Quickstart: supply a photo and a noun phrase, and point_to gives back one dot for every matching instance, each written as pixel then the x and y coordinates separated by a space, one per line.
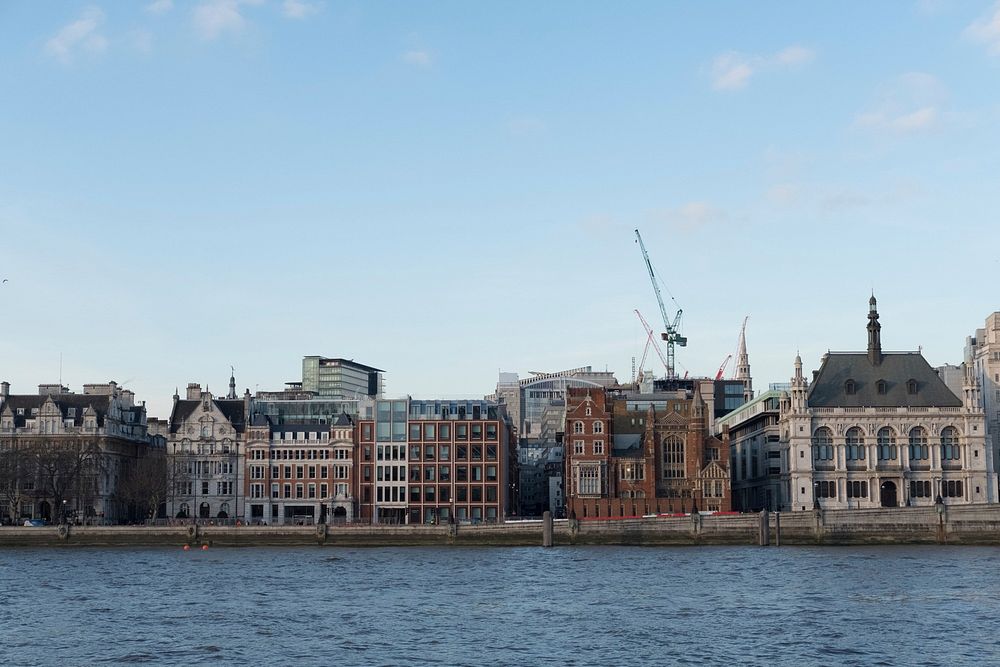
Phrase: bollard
pixel 546 529
pixel 777 529
pixel 765 529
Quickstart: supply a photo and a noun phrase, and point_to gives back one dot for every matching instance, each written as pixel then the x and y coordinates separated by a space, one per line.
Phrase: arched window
pixel 855 440
pixel 850 387
pixel 577 427
pixel 950 450
pixel 886 444
pixel 673 458
pixel 184 511
pixel 822 444
pixel 918 444
pixel 598 427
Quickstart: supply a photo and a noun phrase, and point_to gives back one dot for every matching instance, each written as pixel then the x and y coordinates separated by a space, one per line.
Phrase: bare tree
pixel 143 486
pixel 66 469
pixel 13 478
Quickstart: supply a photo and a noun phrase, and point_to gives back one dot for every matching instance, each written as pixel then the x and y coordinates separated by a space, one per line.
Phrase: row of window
pixel 298 454
pixel 300 490
pixel 301 472
pixel 579 427
pixel 398 431
pixel 432 473
pixel 881 386
pixel 918 489
pixel 579 447
pixel 436 494
pixel 885 444
pixel 187 488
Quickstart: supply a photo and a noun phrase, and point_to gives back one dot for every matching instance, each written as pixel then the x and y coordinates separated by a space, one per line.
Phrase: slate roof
pixel 896 369
pixel 80 402
pixel 233 410
pixel 344 420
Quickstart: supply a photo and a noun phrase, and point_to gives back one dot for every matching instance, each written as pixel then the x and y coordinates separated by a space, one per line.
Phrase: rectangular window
pixel 477 494
pixel 312 472
pixel 491 494
pixel 462 473
pixel 462 494
pixel 444 452
pixel 288 490
pixel 578 446
pixel 598 446
pixel 414 494
pixel 323 491
pixel 461 432
pixel 430 452
pixel 444 431
pixel 414 431
pixel 491 473
pixel 477 473
pixel 274 491
pixel 312 490
pixel 299 489
pixel 299 472
pixel 429 432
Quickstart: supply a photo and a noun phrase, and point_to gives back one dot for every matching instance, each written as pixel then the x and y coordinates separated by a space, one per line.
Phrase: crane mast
pixel 670 334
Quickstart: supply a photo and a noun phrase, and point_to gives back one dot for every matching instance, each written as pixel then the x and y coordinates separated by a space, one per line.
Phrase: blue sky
pixel 445 190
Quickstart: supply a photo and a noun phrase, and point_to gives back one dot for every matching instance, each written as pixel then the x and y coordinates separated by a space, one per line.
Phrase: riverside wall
pixel 970 524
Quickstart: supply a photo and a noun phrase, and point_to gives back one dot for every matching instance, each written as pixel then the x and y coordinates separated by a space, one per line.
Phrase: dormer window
pixel 850 387
pixel 911 386
pixel 882 387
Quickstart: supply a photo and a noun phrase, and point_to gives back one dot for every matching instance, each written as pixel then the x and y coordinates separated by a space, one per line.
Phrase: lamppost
pixel 64 510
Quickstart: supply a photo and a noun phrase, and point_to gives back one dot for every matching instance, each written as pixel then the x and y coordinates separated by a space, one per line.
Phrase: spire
pixel 743 364
pixel 232 384
pixel 874 334
pixel 177 395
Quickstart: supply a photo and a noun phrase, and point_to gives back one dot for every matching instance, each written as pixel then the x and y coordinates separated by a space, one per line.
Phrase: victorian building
pixel 982 355
pixel 205 454
pixel 632 454
pixel 63 454
pixel 300 473
pixel 881 429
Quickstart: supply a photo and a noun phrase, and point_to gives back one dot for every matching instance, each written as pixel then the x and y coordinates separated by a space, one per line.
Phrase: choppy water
pixel 480 606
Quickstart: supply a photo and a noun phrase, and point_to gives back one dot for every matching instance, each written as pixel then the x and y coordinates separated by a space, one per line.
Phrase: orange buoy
pixel 204 547
pixel 187 547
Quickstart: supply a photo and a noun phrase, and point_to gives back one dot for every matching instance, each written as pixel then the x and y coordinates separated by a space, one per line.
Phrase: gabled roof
pixel 344 420
pixel 232 410
pixel 896 369
pixel 79 402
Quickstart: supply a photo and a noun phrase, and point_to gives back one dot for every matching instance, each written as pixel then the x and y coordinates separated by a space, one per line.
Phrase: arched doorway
pixel 204 511
pixel 339 515
pixel 45 510
pixel 888 494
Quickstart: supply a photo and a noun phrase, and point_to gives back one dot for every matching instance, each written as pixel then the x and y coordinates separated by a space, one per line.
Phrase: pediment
pixel 714 471
pixel 672 420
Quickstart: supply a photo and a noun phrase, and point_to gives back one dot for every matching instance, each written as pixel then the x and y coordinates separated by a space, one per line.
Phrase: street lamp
pixel 64 510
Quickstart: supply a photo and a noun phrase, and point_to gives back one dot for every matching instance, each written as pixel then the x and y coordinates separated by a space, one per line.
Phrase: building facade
pixel 982 355
pixel 436 461
pixel 881 429
pixel 758 458
pixel 340 378
pixel 633 454
pixel 64 455
pixel 206 443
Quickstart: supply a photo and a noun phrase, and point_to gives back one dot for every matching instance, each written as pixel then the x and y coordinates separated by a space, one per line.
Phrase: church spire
pixel 874 334
pixel 743 364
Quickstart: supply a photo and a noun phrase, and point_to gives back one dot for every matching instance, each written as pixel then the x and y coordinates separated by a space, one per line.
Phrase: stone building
pixel 631 454
pixel 300 473
pixel 881 429
pixel 982 354
pixel 205 454
pixel 63 454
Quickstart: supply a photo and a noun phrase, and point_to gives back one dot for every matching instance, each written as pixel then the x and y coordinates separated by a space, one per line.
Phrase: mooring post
pixel 765 529
pixel 777 529
pixel 546 528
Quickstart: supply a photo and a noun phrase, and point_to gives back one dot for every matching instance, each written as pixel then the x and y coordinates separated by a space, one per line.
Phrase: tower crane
pixel 722 368
pixel 651 340
pixel 671 333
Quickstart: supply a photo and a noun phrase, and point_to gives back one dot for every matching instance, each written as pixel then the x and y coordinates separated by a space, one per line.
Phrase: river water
pixel 485 606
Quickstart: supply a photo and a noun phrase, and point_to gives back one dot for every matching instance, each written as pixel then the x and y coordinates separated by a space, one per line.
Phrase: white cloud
pixel 912 103
pixel 733 70
pixel 693 215
pixel 213 18
pixel 82 34
pixel 418 58
pixel 986 30
pixel 298 9
pixel 142 40
pixel 160 6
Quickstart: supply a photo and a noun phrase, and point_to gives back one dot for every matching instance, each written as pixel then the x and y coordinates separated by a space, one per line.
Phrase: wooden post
pixel 777 529
pixel 765 529
pixel 547 528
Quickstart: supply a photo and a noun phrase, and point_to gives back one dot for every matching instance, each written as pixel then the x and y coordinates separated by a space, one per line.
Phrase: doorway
pixel 889 494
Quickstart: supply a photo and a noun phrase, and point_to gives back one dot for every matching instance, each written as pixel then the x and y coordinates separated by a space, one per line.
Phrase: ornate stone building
pixel 631 454
pixel 63 454
pixel 205 454
pixel 881 429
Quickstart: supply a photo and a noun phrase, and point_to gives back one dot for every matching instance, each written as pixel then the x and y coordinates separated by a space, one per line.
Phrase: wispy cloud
pixel 733 70
pixel 418 58
pixel 141 40
pixel 299 9
pixel 913 103
pixel 692 215
pixel 160 6
pixel 82 34
pixel 213 18
pixel 986 30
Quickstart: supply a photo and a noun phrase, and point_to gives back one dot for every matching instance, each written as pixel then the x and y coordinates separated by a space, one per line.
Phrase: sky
pixel 446 190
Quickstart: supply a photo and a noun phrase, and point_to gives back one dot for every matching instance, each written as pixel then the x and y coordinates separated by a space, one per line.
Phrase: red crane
pixel 651 340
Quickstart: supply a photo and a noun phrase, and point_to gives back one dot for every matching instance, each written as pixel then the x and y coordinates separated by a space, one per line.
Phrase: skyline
pixel 448 191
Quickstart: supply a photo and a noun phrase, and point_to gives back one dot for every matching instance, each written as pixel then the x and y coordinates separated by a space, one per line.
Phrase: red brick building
pixel 629 454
